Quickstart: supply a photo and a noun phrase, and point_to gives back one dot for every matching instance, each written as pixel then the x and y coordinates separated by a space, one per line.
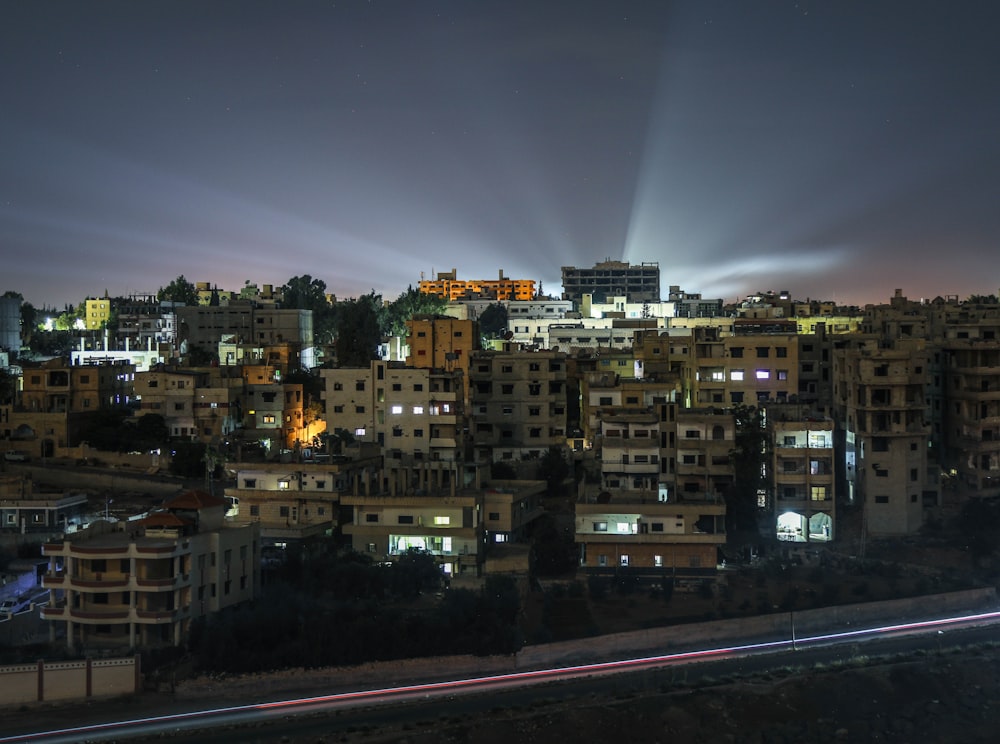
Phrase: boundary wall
pixel 50 681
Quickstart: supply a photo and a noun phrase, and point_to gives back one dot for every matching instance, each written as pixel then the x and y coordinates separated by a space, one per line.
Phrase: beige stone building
pixel 518 403
pixel 141 585
pixel 880 405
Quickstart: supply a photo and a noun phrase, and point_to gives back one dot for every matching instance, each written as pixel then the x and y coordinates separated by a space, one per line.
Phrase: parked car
pixel 16 456
pixel 14 604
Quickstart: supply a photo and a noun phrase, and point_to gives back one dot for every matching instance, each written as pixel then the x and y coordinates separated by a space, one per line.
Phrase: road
pixel 322 714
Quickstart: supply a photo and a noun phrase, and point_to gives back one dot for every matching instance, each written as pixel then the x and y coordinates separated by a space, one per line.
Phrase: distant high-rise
pixel 637 282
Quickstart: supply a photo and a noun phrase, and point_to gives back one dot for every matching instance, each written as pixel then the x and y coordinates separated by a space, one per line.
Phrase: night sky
pixel 834 149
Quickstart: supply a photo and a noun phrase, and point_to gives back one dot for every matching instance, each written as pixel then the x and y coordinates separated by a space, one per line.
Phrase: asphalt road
pixel 329 715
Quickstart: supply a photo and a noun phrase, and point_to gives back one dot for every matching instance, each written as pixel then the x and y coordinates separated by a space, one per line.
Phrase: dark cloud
pixel 743 146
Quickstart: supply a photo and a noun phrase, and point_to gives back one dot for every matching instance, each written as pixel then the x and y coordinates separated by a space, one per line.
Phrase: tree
pixel 493 321
pixel 305 293
pixel 748 458
pixel 179 290
pixel 409 303
pixel 553 469
pixel 359 330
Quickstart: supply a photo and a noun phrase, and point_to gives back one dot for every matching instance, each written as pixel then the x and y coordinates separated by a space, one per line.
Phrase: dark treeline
pixel 342 609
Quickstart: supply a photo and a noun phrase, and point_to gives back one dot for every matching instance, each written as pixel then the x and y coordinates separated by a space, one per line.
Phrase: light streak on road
pixel 381 696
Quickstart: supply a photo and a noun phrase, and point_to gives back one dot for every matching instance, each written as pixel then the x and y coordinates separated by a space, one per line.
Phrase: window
pixel 763 352
pixel 782 374
pixel 507 389
pixel 283 511
pixel 781 352
pixel 763 374
pixel 656 527
pixel 736 375
pixel 442 521
pixel 624 560
pixel 254 510
pixel 250 483
pixel 371 517
pixel 881 499
pixel 283 484
pixel 359 385
pixel 338 409
pixel 600 526
pixel 658 561
pixel 268 419
pixel 397 387
pixel 736 352
pixel 494 516
pixel 396 410
pixel 359 409
pixel 602 560
pixel 405 519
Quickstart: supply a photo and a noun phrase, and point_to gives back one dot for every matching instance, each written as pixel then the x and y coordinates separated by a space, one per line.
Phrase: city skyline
pixel 836 151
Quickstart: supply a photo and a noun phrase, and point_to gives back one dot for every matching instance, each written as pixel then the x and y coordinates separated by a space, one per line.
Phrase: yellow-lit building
pixel 98 313
pixel 441 342
pixel 448 285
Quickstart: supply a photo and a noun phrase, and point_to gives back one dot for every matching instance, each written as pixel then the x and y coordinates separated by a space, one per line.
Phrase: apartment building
pixel 198 404
pixel 97 312
pixel 630 453
pixel 638 282
pixel 880 405
pixel 448 526
pixel 693 305
pixel 748 367
pixel 58 401
pixel 699 450
pixel 803 473
pixel 142 586
pixel 518 403
pixel 621 307
pixel 649 537
pixel 441 342
pixel 448 285
pixel 293 502
pixel 415 414
pixel 205 326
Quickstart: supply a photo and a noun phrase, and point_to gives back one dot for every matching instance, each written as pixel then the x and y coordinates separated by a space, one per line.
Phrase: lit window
pixel 736 374
pixel 441 521
pixel 396 409
pixel 600 526
pixel 359 432
pixel 283 485
pixel 763 374
pixel 268 419
pixel 418 410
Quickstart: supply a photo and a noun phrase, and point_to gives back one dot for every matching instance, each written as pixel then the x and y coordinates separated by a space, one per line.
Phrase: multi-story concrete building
pixel 448 526
pixel 97 312
pixel 144 585
pixel 971 421
pixel 700 452
pixel 630 453
pixel 693 305
pixel 415 414
pixel 448 285
pixel 881 410
pixel 441 342
pixel 803 474
pixel 646 536
pixel 638 282
pixel 518 403
pixel 205 326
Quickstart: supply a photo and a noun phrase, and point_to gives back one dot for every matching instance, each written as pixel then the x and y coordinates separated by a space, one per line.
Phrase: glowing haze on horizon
pixel 836 150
